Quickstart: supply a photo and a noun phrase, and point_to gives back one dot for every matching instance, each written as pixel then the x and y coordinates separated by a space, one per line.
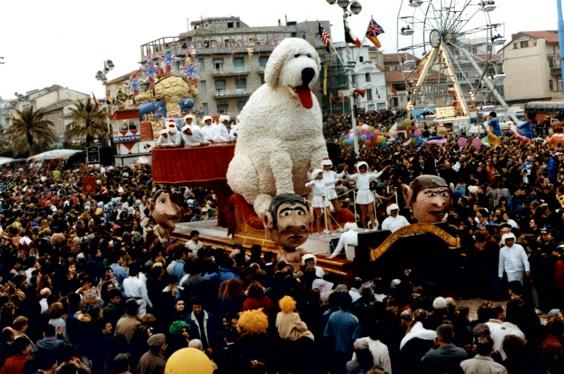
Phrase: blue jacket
pixel 342 330
pixel 494 126
pixel 526 129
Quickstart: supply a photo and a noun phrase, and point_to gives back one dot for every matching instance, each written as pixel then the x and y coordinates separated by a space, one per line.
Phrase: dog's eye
pixel 297 55
pixel 309 55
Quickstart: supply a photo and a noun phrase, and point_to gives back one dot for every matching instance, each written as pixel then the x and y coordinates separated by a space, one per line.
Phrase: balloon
pixel 371 136
pixel 380 139
pixel 363 137
pixel 188 361
pixel 406 122
pixel 439 142
pixel 417 132
pixel 462 142
pixel 476 143
pixel 349 140
pixel 384 144
pixel 377 132
pixel 371 128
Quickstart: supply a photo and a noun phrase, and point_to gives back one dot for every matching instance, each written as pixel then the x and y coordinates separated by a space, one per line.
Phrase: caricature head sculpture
pixel 164 211
pixel 429 198
pixel 288 220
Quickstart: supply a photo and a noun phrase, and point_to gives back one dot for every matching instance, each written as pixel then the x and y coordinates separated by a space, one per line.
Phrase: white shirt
pixel 330 177
pixel 221 133
pixel 164 141
pixel 195 139
pixel 499 330
pixel 363 179
pixel 347 238
pixel 233 132
pixel 319 187
pixel 136 287
pixel 208 133
pixel 394 223
pixel 513 260
pixel 380 353
pixel 193 246
pixel 418 331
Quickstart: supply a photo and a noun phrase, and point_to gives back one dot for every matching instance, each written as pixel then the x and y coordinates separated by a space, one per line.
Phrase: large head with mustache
pixel 288 221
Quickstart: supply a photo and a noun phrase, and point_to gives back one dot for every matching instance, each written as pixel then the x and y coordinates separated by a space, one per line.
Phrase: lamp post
pixel 101 75
pixel 349 8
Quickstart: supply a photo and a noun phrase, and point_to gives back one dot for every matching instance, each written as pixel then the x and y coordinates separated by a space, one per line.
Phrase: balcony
pixel 233 72
pixel 231 94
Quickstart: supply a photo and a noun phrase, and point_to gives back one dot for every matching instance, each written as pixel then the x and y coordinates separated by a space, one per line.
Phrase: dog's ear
pixel 275 63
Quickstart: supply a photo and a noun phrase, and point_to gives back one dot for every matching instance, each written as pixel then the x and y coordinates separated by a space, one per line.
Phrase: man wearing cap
pixel 513 260
pixel 153 361
pixel 191 134
pixel 208 130
pixel 394 221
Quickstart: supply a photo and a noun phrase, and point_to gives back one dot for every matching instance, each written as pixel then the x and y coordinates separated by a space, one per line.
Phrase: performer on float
pixel 175 138
pixel 320 203
pixel 208 130
pixel 234 129
pixel 331 177
pixel 221 130
pixel 191 134
pixel 365 197
pixel 348 239
pixel 394 221
pixel 163 139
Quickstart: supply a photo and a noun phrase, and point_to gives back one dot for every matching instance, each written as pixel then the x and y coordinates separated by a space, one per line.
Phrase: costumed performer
pixel 394 221
pixel 331 177
pixel 320 203
pixel 208 130
pixel 347 238
pixel 364 196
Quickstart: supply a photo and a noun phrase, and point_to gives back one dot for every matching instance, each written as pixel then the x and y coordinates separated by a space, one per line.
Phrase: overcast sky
pixel 65 42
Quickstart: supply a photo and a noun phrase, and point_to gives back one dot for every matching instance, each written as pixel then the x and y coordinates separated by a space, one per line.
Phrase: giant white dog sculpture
pixel 280 133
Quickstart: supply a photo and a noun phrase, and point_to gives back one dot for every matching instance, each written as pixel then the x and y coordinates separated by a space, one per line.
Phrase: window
pixel 240 105
pixel 369 95
pixel 229 25
pixel 550 87
pixel 205 108
pixel 524 44
pixel 218 63
pixel 222 108
pixel 239 63
pixel 202 63
pixel 262 61
pixel 361 58
pixel 559 87
pixel 220 87
pixel 515 46
pixel 367 77
pixel 203 87
pixel 241 83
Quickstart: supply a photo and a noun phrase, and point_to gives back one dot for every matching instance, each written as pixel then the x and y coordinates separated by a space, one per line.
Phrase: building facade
pixel 532 65
pixel 55 101
pixel 231 57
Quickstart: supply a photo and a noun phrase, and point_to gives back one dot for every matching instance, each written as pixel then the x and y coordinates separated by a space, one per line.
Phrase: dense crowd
pixel 88 287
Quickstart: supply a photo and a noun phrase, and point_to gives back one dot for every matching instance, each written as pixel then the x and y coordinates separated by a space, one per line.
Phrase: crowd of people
pixel 191 134
pixel 87 287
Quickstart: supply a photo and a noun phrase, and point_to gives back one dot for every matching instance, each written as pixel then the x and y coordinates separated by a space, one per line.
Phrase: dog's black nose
pixel 307 76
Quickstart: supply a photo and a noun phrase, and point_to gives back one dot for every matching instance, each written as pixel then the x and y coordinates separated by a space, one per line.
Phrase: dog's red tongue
pixel 305 96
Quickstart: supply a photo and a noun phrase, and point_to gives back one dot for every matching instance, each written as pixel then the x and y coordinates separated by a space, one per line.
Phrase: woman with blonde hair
pixel 297 340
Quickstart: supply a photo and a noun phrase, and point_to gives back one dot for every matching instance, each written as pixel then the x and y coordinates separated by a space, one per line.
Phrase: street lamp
pixel 101 76
pixel 349 8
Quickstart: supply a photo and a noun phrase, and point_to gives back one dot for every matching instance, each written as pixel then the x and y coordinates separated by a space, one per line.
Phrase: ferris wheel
pixel 447 53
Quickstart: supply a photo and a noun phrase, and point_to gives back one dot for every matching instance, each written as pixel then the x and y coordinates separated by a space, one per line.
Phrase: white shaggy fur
pixel 279 139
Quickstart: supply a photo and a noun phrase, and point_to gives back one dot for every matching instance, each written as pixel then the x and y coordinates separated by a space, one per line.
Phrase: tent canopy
pixel 55 154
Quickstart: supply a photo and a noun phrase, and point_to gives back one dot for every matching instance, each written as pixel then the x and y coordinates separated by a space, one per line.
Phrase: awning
pixel 55 154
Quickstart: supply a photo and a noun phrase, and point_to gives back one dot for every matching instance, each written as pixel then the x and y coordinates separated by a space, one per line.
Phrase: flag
pixel 325 38
pixel 360 92
pixel 374 29
pixel 88 185
pixel 350 38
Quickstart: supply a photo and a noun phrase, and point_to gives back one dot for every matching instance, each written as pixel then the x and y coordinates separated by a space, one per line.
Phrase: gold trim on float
pixel 414 229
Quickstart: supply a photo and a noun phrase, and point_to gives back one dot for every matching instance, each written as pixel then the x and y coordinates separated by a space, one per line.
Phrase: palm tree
pixel 88 121
pixel 30 132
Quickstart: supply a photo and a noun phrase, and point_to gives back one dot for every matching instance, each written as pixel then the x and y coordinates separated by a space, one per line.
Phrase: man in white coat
pixel 191 134
pixel 348 238
pixel 175 138
pixel 394 221
pixel 208 130
pixel 513 260
pixel 221 130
